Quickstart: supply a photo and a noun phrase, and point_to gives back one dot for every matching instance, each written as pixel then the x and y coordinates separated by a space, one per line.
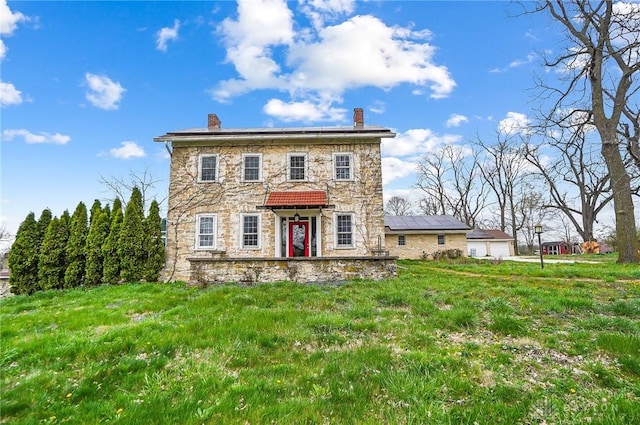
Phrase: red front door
pixel 298 239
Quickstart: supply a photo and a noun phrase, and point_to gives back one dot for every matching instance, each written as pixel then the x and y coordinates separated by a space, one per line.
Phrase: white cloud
pixel 9 20
pixel 416 142
pixel 9 95
pixel 519 62
pixel 167 34
pixel 319 11
pixel 104 93
pixel 8 23
pixel 32 138
pixel 378 107
pixel 303 111
pixel 455 120
pixel 515 123
pixel 323 62
pixel 396 168
pixel 127 150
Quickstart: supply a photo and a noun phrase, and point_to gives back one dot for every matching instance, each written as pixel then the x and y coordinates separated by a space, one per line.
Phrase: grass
pixel 444 343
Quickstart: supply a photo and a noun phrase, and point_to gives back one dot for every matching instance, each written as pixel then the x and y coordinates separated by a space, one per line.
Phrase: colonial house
pixel 271 204
pixel 422 236
pixel 489 243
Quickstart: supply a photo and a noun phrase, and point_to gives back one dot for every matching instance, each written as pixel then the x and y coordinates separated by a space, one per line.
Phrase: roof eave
pixel 211 137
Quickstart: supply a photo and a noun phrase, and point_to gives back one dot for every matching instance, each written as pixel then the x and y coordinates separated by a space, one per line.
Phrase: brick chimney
pixel 213 121
pixel 358 117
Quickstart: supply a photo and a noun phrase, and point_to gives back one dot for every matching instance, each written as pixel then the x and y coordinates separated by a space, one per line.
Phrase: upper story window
pixel 251 167
pixel 344 230
pixel 208 168
pixel 250 230
pixel 440 239
pixel 402 240
pixel 297 166
pixel 343 166
pixel 206 231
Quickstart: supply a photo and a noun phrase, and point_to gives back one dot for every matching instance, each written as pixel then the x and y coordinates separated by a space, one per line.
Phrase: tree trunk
pixel 628 246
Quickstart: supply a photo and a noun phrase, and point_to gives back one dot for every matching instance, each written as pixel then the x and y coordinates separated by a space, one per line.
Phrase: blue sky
pixel 85 86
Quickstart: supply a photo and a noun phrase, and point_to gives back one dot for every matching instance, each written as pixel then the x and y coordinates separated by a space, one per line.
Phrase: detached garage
pixel 420 236
pixel 489 243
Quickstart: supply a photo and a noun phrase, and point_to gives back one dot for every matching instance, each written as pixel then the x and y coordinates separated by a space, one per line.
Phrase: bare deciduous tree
pixel 578 181
pixel 600 67
pixel 530 212
pixel 428 206
pixel 504 169
pixel 121 187
pixel 397 205
pixel 450 180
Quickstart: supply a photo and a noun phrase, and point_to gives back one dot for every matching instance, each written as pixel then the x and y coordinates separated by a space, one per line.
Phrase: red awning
pixel 311 198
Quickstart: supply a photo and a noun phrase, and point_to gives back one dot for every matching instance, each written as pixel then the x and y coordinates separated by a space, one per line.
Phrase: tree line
pixel 584 153
pixel 103 246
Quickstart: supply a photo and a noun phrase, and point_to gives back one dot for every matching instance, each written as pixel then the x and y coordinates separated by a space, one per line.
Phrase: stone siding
pixel 419 245
pixel 230 196
pixel 300 270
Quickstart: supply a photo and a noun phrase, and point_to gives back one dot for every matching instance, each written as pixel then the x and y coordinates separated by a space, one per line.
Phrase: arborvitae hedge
pixel 96 209
pixel 52 264
pixel 23 257
pixel 131 248
pixel 55 253
pixel 111 265
pixel 75 250
pixel 154 246
pixel 98 233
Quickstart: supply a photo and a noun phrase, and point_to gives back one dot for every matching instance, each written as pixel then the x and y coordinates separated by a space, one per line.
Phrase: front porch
pixel 205 271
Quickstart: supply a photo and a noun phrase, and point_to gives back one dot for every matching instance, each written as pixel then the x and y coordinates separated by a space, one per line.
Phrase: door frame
pixel 306 224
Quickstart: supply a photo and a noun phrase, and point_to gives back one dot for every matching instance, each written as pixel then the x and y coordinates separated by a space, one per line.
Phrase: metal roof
pixel 424 222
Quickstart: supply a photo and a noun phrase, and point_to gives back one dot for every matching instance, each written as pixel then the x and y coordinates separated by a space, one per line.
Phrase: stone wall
pixel 419 244
pixel 230 196
pixel 301 270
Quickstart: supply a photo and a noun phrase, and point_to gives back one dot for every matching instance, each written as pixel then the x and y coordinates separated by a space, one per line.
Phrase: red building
pixel 556 248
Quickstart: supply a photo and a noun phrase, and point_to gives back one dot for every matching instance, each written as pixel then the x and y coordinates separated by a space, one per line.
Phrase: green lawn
pixel 444 343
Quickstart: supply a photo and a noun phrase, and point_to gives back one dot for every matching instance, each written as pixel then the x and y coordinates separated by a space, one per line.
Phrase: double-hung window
pixel 402 240
pixel 250 230
pixel 206 231
pixel 344 230
pixel 297 166
pixel 208 168
pixel 251 167
pixel 440 239
pixel 342 164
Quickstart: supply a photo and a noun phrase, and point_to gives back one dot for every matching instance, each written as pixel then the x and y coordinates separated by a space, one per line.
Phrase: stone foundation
pixel 301 270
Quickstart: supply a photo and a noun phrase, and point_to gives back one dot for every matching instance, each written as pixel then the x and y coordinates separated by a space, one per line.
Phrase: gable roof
pixel 489 234
pixel 424 223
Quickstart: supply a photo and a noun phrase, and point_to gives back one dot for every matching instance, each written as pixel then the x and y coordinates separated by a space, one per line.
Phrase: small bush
pixel 446 254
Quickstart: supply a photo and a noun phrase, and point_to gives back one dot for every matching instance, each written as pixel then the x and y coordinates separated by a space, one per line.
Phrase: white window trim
pixel 241 232
pixel 259 155
pixel 335 230
pixel 404 239
pixel 306 166
pixel 351 168
pixel 215 232
pixel 217 179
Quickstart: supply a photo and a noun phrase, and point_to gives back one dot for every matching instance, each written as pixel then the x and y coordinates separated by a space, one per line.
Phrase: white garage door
pixel 476 249
pixel 499 249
